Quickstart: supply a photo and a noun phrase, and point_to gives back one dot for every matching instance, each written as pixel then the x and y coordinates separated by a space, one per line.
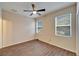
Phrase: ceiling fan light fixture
pixel 34 12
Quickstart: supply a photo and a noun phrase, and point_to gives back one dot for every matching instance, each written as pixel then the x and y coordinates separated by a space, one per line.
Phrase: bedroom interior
pixel 39 29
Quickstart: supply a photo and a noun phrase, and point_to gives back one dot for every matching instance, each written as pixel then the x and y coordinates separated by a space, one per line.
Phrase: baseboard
pixel 40 41
pixel 57 46
pixel 18 43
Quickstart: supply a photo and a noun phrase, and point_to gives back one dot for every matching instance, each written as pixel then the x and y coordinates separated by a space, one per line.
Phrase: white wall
pixel 17 28
pixel 0 28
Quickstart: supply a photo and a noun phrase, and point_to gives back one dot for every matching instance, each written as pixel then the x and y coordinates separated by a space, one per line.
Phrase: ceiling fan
pixel 34 11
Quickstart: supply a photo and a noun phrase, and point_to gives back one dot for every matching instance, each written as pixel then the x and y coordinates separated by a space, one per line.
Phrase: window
pixel 39 26
pixel 63 25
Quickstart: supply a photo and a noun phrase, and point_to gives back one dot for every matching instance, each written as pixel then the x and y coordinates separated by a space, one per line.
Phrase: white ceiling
pixel 18 7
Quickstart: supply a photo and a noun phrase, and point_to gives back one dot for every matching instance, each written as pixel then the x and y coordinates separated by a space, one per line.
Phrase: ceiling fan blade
pixel 28 10
pixel 38 13
pixel 31 14
pixel 40 10
pixel 33 6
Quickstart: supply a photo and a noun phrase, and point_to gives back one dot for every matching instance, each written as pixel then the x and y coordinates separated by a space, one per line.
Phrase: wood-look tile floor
pixel 34 48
